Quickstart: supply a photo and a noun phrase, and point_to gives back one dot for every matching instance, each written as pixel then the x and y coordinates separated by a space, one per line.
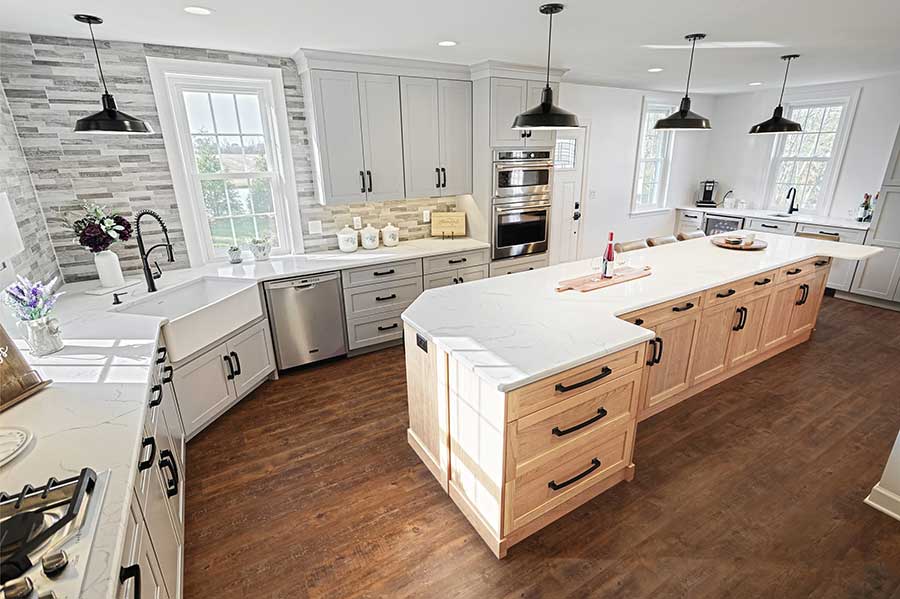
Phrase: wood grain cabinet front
pixel 670 360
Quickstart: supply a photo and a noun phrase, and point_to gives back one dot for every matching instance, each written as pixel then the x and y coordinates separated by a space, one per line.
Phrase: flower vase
pixel 42 335
pixel 261 250
pixel 107 263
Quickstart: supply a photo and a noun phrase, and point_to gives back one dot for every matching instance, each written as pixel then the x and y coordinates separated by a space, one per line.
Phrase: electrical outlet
pixel 426 216
pixel 592 194
pixel 357 222
pixel 315 227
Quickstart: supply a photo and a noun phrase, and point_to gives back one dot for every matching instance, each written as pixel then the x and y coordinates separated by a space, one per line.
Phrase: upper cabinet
pixel 892 176
pixel 509 98
pixel 382 140
pixel 437 136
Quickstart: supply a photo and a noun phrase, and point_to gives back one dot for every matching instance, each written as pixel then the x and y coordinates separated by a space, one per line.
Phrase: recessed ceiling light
pixel 754 83
pixel 197 10
pixel 655 70
pixel 447 44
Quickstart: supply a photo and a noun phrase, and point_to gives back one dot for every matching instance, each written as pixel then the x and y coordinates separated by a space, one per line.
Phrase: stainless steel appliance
pixel 722 224
pixel 521 227
pixel 706 195
pixel 307 319
pixel 522 172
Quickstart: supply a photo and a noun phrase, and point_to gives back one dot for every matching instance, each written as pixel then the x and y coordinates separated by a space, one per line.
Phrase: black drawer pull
pixel 683 308
pixel 455 280
pixel 444 173
pixel 437 173
pixel 237 363
pixel 384 273
pixel 167 461
pixel 156 389
pixel 369 173
pixel 805 289
pixel 659 342
pixel 151 443
pixel 595 463
pixel 639 321
pixel 795 271
pixel 132 572
pixel 604 372
pixel 362 178
pixel 601 413
pixel 742 321
pixel 728 293
pixel 385 298
pixel 167 374
pixel 458 261
pixel 388 328
pixel 765 281
pixel 820 263
pixel 230 374
pixel 830 233
pixel 768 226
pixel 462 280
pixel 161 354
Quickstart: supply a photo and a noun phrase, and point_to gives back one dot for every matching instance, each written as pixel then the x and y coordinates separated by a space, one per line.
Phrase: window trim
pixel 168 78
pixel 648 102
pixel 840 94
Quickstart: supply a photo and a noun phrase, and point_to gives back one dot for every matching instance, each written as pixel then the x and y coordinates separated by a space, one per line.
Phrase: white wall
pixel 614 115
pixel 739 161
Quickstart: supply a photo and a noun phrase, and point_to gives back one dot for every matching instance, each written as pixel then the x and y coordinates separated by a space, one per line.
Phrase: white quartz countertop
pixel 803 219
pixel 517 329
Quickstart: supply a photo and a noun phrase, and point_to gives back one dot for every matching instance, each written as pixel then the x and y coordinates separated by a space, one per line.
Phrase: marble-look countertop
pixel 803 219
pixel 517 329
pixel 93 413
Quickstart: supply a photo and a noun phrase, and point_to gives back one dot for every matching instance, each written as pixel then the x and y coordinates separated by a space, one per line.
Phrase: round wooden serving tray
pixel 757 244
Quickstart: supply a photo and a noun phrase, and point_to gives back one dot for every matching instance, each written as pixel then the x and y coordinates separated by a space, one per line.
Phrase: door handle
pixel 167 461
pixel 805 289
pixel 132 572
pixel 444 173
pixel 595 463
pixel 362 178
pixel 161 354
pixel 658 358
pixel 437 173
pixel 230 375
pixel 652 359
pixel 237 363
pixel 151 443
pixel 157 389
pixel 168 373
pixel 576 216
pixel 369 173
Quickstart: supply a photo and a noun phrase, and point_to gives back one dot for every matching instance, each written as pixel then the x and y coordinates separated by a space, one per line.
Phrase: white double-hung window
pixel 651 176
pixel 232 167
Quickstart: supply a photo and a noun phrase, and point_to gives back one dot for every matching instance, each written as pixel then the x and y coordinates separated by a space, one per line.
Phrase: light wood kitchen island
pixel 524 402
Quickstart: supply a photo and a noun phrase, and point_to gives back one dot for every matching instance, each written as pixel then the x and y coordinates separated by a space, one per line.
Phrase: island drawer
pixel 371 330
pixel 455 260
pixel 365 275
pixel 547 484
pixel 553 389
pixel 801 269
pixel 381 298
pixel 660 313
pixel 779 227
pixel 843 235
pixel 724 293
pixel 554 428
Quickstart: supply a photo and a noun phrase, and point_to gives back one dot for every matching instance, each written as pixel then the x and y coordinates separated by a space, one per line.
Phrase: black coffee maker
pixel 706 197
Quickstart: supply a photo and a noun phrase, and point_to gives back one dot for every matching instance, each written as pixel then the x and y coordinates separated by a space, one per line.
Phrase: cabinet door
pixel 379 103
pixel 879 275
pixel 251 353
pixel 806 308
pixel 472 273
pixel 508 99
pixel 713 334
pixel 746 343
pixel 841 275
pixel 540 138
pixel 892 175
pixel 419 98
pixel 455 115
pixel 776 328
pixel 885 230
pixel 172 414
pixel 143 559
pixel 172 471
pixel 440 279
pixel 672 374
pixel 339 133
pixel 166 544
pixel 203 389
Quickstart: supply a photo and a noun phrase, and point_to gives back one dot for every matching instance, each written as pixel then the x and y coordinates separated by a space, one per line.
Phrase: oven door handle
pixel 515 166
pixel 521 207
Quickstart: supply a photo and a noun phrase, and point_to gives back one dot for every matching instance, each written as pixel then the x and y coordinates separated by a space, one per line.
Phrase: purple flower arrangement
pixel 30 301
pixel 99 228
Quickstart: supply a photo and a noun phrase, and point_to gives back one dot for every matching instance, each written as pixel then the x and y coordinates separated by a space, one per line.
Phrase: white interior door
pixel 379 98
pixel 567 214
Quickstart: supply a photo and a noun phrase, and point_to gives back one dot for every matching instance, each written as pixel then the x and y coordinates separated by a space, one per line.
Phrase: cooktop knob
pixel 20 588
pixel 54 563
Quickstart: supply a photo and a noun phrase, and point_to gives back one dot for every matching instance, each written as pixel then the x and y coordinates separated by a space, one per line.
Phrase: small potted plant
pixel 261 248
pixel 97 230
pixel 234 255
pixel 31 304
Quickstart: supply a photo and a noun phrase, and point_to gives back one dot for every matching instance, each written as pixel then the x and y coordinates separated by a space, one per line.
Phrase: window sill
pixel 654 212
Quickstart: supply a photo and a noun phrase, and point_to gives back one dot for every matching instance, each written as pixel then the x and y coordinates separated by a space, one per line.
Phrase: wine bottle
pixel 609 259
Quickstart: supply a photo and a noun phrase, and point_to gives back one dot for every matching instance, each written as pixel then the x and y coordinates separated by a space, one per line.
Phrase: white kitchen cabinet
pixel 539 137
pixel 253 359
pixel 382 139
pixel 779 227
pixel 172 415
pixel 139 562
pixel 456 277
pixel 167 544
pixel 509 98
pixel 511 266
pixel 885 228
pixel 841 275
pixel 879 276
pixel 689 221
pixel 455 121
pixel 892 174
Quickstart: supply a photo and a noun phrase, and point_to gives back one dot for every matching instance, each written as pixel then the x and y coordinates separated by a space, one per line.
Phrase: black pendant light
pixel 684 119
pixel 108 120
pixel 779 124
pixel 545 115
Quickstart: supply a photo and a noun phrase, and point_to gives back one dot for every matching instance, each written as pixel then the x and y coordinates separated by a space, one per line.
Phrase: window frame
pixel 170 79
pixel 648 104
pixel 848 97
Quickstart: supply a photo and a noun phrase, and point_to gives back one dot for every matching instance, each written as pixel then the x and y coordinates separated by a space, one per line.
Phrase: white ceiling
pixel 599 41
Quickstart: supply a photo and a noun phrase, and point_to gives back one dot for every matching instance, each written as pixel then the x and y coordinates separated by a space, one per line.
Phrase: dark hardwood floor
pixel 753 488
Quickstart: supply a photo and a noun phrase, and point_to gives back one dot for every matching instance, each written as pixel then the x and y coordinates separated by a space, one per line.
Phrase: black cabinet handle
pixel 151 443
pixel 683 308
pixel 462 280
pixel 805 289
pixel 820 263
pixel 437 173
pixel 604 372
pixel 639 321
pixel 157 389
pixel 595 463
pixel 728 293
pixel 168 373
pixel 652 359
pixel 742 320
pixel 565 431
pixel 658 359
pixel 528 133
pixel 362 179
pixel 369 173
pixel 388 328
pixel 444 173
pixel 230 374
pixel 831 233
pixel 765 281
pixel 386 298
pixel 237 363
pixel 767 226
pixel 457 261
pixel 455 280
pixel 167 461
pixel 522 135
pixel 161 354
pixel 383 273
pixel 795 271
pixel 132 572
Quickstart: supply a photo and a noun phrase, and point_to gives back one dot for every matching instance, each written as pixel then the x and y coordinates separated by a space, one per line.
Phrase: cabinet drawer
pixel 660 313
pixel 553 389
pixel 392 271
pixel 554 428
pixel 472 273
pixel 514 265
pixel 362 332
pixel 454 261
pixel 381 298
pixel 771 226
pixel 455 277
pixel 723 293
pixel 843 235
pixel 801 269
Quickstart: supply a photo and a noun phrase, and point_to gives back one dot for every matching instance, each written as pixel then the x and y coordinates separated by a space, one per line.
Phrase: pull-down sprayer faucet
pixel 150 276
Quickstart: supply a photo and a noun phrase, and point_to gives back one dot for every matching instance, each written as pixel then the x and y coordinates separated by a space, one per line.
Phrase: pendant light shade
pixel 779 124
pixel 546 115
pixel 684 119
pixel 110 119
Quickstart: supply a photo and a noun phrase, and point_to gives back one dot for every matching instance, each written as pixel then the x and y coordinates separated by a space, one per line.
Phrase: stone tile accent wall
pixel 37 262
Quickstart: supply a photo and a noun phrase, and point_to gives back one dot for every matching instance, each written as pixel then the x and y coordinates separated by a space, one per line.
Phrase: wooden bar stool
pixel 627 246
pixel 682 236
pixel 655 241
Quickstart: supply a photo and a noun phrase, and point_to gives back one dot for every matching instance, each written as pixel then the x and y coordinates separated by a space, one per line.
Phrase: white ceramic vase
pixel 108 268
pixel 42 335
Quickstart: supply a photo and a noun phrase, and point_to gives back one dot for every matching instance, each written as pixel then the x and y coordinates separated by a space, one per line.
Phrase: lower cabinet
pixel 140 575
pixel 793 308
pixel 456 277
pixel 670 358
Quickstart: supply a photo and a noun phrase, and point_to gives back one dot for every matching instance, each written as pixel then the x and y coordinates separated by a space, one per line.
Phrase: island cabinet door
pixel 776 327
pixel 713 336
pixel 671 356
pixel 806 308
pixel 746 338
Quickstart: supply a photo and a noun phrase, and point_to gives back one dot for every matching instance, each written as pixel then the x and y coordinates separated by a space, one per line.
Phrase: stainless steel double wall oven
pixel 521 202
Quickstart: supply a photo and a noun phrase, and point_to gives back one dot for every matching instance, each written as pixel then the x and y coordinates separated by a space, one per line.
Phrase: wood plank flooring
pixel 753 488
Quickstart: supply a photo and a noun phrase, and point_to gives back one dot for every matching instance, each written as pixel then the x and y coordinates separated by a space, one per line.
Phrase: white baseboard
pixel 869 301
pixel 884 501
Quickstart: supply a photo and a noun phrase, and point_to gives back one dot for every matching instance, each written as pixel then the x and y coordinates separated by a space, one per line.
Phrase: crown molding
pixel 499 68
pixel 307 58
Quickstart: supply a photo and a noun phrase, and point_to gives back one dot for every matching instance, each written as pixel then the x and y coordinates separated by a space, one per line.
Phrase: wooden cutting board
pixel 594 281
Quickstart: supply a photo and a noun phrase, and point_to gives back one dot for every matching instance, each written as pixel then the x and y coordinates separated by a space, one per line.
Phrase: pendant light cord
pixel 687 88
pixel 784 83
pixel 549 45
pixel 97 53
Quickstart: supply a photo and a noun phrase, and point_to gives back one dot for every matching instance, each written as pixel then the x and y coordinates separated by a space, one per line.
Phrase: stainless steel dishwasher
pixel 307 319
